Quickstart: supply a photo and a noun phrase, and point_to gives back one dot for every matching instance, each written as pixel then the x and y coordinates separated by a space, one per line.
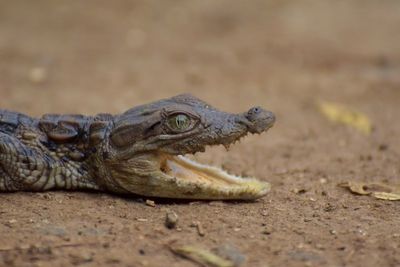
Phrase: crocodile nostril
pixel 254 111
pixel 257 113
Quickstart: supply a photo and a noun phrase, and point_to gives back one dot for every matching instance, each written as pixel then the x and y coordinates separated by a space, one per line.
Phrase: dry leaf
pixel 202 256
pixel 387 196
pixel 377 190
pixel 341 114
pixel 379 187
pixel 355 187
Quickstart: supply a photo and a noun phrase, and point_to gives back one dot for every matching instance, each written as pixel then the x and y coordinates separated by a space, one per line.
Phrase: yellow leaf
pixel 377 190
pixel 387 196
pixel 202 256
pixel 344 115
pixel 355 187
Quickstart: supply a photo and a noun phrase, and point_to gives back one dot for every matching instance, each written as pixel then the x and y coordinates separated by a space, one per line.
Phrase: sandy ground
pixel 107 56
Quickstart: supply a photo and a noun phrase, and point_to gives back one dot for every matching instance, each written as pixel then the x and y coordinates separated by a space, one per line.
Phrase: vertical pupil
pixel 180 121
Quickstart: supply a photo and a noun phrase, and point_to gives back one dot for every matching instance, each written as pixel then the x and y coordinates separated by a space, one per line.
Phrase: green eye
pixel 179 122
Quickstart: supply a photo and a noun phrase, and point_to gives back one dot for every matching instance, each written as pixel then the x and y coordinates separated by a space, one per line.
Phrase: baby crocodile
pixel 139 152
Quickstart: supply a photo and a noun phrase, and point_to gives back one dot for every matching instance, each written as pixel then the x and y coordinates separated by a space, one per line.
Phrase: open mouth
pixel 202 181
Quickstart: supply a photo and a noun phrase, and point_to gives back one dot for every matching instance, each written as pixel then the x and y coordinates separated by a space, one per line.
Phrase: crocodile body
pixel 134 152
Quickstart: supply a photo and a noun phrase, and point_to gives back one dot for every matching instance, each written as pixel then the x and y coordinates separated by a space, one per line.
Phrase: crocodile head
pixel 144 152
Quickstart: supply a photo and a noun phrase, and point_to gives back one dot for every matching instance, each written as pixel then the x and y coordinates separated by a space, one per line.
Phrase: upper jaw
pixel 233 128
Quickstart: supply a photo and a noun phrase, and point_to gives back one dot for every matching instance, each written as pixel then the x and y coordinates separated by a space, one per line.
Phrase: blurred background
pixel 103 56
pixel 108 56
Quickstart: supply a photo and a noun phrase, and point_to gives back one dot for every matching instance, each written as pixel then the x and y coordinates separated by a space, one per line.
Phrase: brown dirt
pixel 106 56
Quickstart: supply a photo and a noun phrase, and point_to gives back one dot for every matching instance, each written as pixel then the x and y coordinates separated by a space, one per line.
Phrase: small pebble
pixel 199 227
pixel 150 203
pixel 171 219
pixel 264 212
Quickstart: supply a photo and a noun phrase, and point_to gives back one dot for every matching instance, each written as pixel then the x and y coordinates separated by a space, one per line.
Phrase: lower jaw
pixel 198 181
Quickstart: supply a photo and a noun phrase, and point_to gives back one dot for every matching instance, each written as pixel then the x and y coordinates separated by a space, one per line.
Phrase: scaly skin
pixel 137 152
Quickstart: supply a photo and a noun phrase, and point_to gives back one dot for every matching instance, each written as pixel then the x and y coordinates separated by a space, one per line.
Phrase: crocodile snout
pixel 259 119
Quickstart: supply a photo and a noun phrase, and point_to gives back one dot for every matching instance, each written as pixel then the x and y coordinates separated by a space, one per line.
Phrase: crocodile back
pixel 70 127
pixel 10 120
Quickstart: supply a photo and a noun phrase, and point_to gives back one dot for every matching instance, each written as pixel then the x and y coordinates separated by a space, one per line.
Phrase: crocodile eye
pixel 179 122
